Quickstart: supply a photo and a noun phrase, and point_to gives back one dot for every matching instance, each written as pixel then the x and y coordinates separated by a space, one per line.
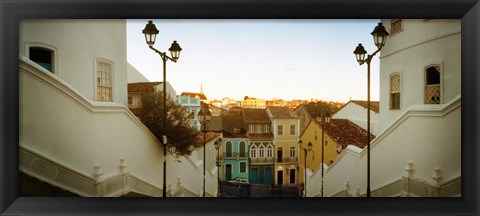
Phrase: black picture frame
pixel 13 11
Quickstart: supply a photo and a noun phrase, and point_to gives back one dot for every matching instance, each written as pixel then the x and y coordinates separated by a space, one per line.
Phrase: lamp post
pixel 324 120
pixel 306 150
pixel 150 32
pixel 204 116
pixel 379 37
pixel 218 143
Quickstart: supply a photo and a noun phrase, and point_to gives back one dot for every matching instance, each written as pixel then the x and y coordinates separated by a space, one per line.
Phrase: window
pixel 130 101
pixel 269 151
pixel 280 130
pixel 279 154
pixel 432 85
pixel 242 149
pixel 315 135
pixel 259 128
pixel 104 81
pixel 243 167
pixel 184 100
pixel 395 91
pixel 42 56
pixel 266 128
pixel 253 151
pixel 292 152
pixel 228 149
pixel 292 129
pixel 251 128
pixel 261 151
pixel 396 26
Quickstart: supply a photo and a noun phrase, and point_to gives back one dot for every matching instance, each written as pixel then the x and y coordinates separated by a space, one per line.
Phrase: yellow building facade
pixel 339 133
pixel 253 103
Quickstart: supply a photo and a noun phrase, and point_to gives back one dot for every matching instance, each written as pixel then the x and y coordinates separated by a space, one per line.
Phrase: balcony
pixel 287 160
pixel 260 160
pixel 235 155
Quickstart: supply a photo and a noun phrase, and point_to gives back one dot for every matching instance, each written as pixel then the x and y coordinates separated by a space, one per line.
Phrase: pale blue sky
pixel 287 59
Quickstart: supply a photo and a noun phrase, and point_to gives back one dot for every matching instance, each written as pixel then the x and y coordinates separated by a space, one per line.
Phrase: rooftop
pixel 143 86
pixel 345 132
pixel 194 95
pixel 255 116
pixel 281 112
pixel 374 105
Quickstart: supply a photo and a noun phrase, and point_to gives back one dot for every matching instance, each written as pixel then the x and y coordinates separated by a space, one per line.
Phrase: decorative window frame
pixel 392 33
pixel 28 44
pixel 294 129
pixel 261 151
pixel 253 151
pixel 95 85
pixel 270 150
pixel 400 91
pixel 442 75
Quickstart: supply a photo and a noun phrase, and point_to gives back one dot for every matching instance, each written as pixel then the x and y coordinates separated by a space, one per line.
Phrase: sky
pixel 283 59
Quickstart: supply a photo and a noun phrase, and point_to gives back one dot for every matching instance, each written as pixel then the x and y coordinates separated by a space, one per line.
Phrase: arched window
pixel 270 151
pixel 432 85
pixel 43 57
pixel 261 151
pixel 242 149
pixel 253 151
pixel 228 149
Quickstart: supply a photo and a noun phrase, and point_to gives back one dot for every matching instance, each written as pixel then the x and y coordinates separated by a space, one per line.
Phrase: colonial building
pixel 286 130
pixel 338 134
pixel 253 103
pixel 261 148
pixel 234 148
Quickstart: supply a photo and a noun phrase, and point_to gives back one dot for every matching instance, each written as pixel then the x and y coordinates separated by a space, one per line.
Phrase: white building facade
pixel 417 152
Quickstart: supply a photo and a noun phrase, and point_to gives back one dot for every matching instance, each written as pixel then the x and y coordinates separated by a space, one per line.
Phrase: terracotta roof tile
pixel 142 86
pixel 261 136
pixel 281 112
pixel 215 124
pixel 193 95
pixel 255 116
pixel 345 132
pixel 233 126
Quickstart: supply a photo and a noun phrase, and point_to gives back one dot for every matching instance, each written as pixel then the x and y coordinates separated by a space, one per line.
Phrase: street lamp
pixel 324 120
pixel 306 150
pixel 379 37
pixel 150 32
pixel 217 144
pixel 204 116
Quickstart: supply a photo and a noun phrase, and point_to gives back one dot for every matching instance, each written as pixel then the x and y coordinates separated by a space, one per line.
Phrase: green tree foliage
pixel 320 108
pixel 180 135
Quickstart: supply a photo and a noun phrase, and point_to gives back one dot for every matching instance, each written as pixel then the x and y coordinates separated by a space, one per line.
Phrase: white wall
pixel 420 44
pixel 429 137
pixel 358 115
pixel 77 45
pixel 133 75
pixel 58 122
pixel 190 171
